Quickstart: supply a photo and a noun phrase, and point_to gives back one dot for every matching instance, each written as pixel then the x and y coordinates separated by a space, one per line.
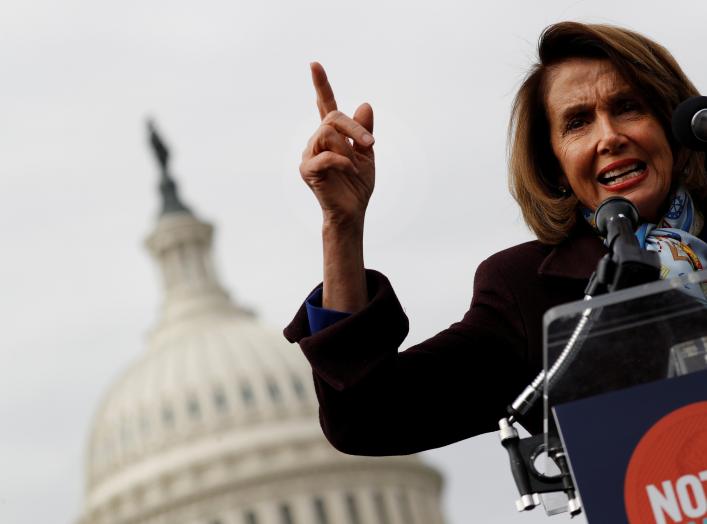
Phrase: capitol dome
pixel 216 422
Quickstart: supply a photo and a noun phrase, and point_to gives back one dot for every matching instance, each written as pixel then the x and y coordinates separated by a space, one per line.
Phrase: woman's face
pixel 605 138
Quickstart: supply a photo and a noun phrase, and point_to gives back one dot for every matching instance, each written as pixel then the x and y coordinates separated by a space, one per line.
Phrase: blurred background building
pixel 216 422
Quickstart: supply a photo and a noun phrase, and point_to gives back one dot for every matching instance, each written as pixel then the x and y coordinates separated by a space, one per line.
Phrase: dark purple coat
pixel 376 401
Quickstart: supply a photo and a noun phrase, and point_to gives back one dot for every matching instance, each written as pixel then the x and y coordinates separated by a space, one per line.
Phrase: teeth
pixel 627 176
pixel 622 174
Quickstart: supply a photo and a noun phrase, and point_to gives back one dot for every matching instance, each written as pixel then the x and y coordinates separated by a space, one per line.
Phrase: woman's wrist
pixel 344 227
pixel 344 273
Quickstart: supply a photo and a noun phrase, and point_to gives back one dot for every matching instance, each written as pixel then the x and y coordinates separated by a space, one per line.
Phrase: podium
pixel 625 394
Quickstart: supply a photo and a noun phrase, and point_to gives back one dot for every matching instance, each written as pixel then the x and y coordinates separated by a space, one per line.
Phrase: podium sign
pixel 636 442
pixel 639 455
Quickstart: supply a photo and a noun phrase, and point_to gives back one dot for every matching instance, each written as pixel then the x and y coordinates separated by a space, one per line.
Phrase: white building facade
pixel 217 422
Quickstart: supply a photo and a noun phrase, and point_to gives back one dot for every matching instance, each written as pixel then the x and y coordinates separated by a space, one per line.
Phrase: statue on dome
pixel 170 199
pixel 158 146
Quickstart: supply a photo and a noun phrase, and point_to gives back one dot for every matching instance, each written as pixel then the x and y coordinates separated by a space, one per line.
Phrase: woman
pixel 590 121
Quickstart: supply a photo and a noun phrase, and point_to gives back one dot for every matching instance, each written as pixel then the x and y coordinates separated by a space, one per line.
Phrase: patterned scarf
pixel 675 240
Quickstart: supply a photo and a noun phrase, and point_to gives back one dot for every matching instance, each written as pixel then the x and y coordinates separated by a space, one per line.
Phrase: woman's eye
pixel 574 124
pixel 628 106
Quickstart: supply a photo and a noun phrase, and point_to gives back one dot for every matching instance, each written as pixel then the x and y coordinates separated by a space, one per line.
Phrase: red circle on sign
pixel 674 447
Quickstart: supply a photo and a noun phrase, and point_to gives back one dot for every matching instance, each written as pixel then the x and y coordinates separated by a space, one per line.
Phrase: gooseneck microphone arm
pixel 624 266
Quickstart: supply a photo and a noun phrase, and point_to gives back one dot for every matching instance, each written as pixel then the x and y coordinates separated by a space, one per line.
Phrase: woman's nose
pixel 610 139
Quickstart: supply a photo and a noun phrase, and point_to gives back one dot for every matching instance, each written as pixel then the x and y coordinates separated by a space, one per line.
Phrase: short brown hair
pixel 534 171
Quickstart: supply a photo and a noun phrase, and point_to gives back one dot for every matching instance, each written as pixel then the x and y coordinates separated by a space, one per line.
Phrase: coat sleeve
pixel 376 401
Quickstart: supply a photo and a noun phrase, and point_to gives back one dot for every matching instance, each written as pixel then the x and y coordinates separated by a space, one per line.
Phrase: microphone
pixel 615 217
pixel 690 123
pixel 627 264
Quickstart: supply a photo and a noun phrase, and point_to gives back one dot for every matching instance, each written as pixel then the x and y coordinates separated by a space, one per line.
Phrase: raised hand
pixel 339 167
pixel 338 162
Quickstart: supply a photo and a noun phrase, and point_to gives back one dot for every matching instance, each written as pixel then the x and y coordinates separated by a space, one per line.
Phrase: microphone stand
pixel 625 265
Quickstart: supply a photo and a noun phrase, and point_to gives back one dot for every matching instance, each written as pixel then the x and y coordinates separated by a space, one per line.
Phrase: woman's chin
pixel 649 203
pixel 648 211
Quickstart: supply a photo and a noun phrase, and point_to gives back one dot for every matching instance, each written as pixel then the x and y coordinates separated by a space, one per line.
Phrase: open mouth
pixel 622 174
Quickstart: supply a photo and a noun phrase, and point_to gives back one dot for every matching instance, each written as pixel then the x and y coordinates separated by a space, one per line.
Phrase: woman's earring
pixel 563 190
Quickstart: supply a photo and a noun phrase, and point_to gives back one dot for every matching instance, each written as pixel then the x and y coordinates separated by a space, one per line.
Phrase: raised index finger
pixel 326 103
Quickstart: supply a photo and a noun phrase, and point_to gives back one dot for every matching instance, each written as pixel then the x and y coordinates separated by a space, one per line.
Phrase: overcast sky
pixel 229 85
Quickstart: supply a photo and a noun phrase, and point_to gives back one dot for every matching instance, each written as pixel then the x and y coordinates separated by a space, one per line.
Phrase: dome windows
pixel 274 391
pixel 250 517
pixel 220 400
pixel 298 388
pixel 193 408
pixel 247 394
pixel 405 507
pixel 286 514
pixel 155 423
pixel 320 512
pixel 144 424
pixel 381 508
pixel 352 509
pixel 168 416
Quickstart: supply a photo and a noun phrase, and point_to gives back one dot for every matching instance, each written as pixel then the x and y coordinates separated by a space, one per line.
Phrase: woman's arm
pixel 341 174
pixel 376 401
pixel 373 400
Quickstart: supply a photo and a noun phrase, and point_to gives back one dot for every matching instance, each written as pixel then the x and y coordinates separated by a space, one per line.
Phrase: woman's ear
pixel 563 185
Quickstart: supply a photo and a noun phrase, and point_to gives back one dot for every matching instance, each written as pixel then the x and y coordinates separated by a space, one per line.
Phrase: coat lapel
pixel 576 257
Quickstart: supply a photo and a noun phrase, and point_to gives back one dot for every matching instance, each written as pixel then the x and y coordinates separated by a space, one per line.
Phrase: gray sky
pixel 229 86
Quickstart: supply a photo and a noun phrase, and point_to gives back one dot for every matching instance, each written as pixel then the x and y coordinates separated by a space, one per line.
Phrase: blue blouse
pixel 320 318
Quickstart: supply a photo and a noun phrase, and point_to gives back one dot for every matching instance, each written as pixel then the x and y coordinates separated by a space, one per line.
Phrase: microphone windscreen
pixel 610 209
pixel 682 122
